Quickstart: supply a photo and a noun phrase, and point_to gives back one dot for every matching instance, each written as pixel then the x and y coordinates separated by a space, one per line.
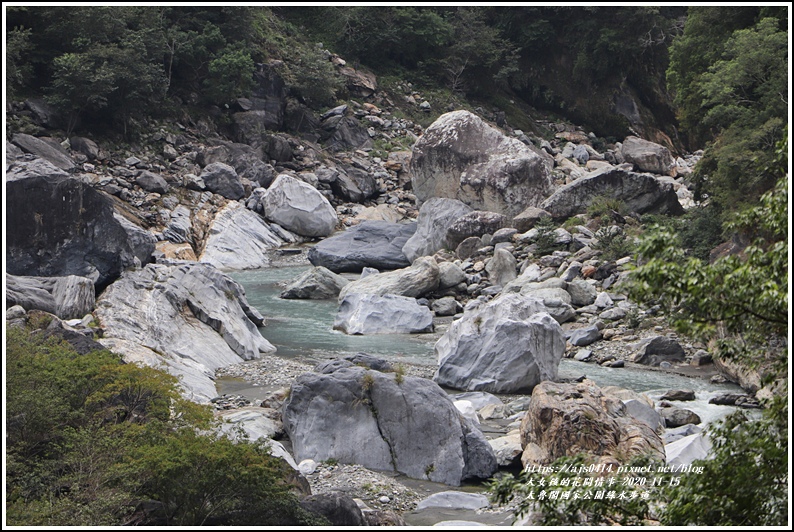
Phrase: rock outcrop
pixel 186 311
pixel 385 422
pixel 370 244
pixel 64 227
pixel 460 156
pixel 647 156
pixel 67 297
pixel 239 239
pixel 566 419
pixel 222 179
pixel 508 345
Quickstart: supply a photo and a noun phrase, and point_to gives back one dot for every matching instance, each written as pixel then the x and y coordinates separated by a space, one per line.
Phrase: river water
pixel 302 329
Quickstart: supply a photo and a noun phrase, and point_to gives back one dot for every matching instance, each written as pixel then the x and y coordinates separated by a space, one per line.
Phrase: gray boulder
pixel 415 281
pixel 454 499
pixel 641 193
pixel 346 134
pixel 372 243
pixel 501 268
pixel 67 297
pixel 526 219
pixel 361 416
pixel 446 306
pixel 338 508
pixel 584 336
pixel 246 161
pixel 582 293
pixel 678 417
pixel 507 449
pixel 678 395
pixel 222 179
pixel 507 345
pixel 647 156
pixel 189 312
pixel 50 151
pixel 239 239
pixel 151 182
pixel 460 156
pixel 450 275
pixel 655 350
pixel 58 226
pixel 299 207
pixel 642 411
pixel 436 215
pixel 317 283
pixel 475 223
pixel 179 228
pixel 354 185
pixel 686 450
pixel 386 314
pixel 85 146
pixel 250 126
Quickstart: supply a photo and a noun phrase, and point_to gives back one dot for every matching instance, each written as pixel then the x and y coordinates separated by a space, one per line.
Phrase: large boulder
pixel 239 239
pixel 58 226
pixel 189 311
pixel 475 223
pixel 346 134
pixel 151 182
pixel 436 215
pixel 67 297
pixel 507 345
pixel 50 151
pixel 647 156
pixel 460 156
pixel 686 450
pixel 421 278
pixel 384 421
pixel 387 314
pixel 567 419
pixel 299 207
pixel 370 244
pixel 654 350
pixel 501 268
pixel 246 161
pixel 641 193
pixel 220 178
pixel 317 283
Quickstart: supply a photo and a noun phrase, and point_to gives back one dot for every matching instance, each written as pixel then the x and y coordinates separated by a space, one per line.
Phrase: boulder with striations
pixel 299 207
pixel 370 244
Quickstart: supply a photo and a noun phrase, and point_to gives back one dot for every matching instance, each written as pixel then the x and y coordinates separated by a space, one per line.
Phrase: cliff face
pixel 61 226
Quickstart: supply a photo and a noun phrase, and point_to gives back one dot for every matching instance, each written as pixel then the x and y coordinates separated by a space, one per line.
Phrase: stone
pixel 647 156
pixel 250 126
pixel 655 350
pixel 641 411
pixel 677 417
pixel 581 154
pixel 179 228
pixel 603 300
pixel 151 182
pixel 361 416
pixel 239 239
pixel 414 281
pixel 277 147
pixel 467 410
pixel 170 250
pixel 584 336
pixel 299 207
pixel 686 450
pixel 190 314
pixel 507 345
pixel 307 467
pixel 354 185
pixel 339 509
pixel 454 499
pixel 85 146
pixel 526 219
pixel 446 306
pixel 246 161
pixel 478 399
pixel 460 156
pixel 374 244
pixel 641 193
pixel 436 215
pixel 582 355
pixel 501 268
pixel 59 226
pixel 220 178
pixel 567 419
pixel 468 248
pixel 701 358
pixel 450 275
pixel 347 134
pixel 678 395
pixel 474 223
pixel 253 421
pixel 49 151
pixel 507 449
pixel 67 297
pixel 675 434
pixel 317 283
pixel 582 293
pixel 359 82
pixel 387 314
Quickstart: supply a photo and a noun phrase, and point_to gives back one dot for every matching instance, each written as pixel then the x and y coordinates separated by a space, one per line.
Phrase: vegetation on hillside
pixel 95 442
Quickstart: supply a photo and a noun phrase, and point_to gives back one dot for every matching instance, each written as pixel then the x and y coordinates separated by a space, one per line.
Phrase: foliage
pixel 229 76
pixel 18 71
pixel 614 243
pixel 92 442
pixel 546 241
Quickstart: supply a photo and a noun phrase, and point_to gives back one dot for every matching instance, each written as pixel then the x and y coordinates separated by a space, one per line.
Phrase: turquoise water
pixel 303 329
